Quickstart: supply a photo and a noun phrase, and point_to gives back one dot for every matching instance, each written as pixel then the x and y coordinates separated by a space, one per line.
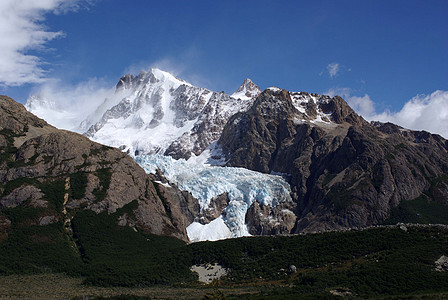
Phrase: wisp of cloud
pixel 333 69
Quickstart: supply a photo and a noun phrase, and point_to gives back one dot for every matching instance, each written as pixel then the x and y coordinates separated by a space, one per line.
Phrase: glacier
pixel 205 182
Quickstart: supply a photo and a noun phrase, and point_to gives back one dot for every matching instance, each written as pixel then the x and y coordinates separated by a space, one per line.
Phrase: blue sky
pixel 384 53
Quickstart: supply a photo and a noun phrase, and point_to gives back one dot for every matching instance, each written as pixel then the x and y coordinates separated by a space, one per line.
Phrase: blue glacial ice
pixel 206 182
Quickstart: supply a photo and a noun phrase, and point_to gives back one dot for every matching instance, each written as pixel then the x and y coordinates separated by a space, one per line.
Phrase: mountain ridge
pixel 344 172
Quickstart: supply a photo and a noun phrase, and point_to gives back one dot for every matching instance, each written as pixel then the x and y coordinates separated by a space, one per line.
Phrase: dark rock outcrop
pixel 61 172
pixel 344 172
pixel 214 209
pixel 267 220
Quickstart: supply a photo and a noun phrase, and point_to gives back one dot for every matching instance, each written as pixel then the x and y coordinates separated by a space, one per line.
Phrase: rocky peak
pixel 247 90
pixel 125 82
pixel 340 111
pixel 274 103
pixel 15 118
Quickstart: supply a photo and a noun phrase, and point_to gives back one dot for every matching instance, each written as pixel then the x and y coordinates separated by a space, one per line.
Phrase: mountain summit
pixel 248 90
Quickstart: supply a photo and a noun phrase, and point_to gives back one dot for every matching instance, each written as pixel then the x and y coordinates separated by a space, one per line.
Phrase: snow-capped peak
pixel 152 77
pixel 151 112
pixel 165 76
pixel 274 89
pixel 248 90
pixel 155 112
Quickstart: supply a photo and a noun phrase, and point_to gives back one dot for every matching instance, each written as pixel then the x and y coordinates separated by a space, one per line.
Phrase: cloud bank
pixel 22 30
pixel 423 112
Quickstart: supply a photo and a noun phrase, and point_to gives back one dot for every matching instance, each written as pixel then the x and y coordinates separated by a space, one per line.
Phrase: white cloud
pixel 65 106
pixel 333 69
pixel 22 30
pixel 343 92
pixel 362 105
pixel 423 112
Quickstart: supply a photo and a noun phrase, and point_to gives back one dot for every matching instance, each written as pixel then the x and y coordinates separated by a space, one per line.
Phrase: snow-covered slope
pixel 242 186
pixel 154 112
pixel 310 106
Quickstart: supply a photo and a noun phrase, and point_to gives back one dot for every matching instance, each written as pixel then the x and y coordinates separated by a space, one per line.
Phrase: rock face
pixel 267 220
pixel 214 210
pixel 59 172
pixel 344 172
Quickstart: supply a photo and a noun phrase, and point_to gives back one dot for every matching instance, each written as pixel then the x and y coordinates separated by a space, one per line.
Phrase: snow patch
pixel 213 231
pixel 300 100
pixel 161 183
pixel 274 89
pixel 211 156
pixel 207 273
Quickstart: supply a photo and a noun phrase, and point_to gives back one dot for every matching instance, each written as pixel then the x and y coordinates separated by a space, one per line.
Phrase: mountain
pixel 292 163
pixel 155 112
pixel 344 172
pixel 47 176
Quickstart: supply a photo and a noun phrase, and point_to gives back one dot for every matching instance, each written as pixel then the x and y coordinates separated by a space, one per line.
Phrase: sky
pixel 388 59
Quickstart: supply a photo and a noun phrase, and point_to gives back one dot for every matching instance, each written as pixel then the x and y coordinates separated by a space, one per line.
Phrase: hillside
pixel 49 175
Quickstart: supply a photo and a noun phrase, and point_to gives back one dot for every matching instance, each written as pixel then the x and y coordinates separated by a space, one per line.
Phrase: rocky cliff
pixel 344 172
pixel 52 174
